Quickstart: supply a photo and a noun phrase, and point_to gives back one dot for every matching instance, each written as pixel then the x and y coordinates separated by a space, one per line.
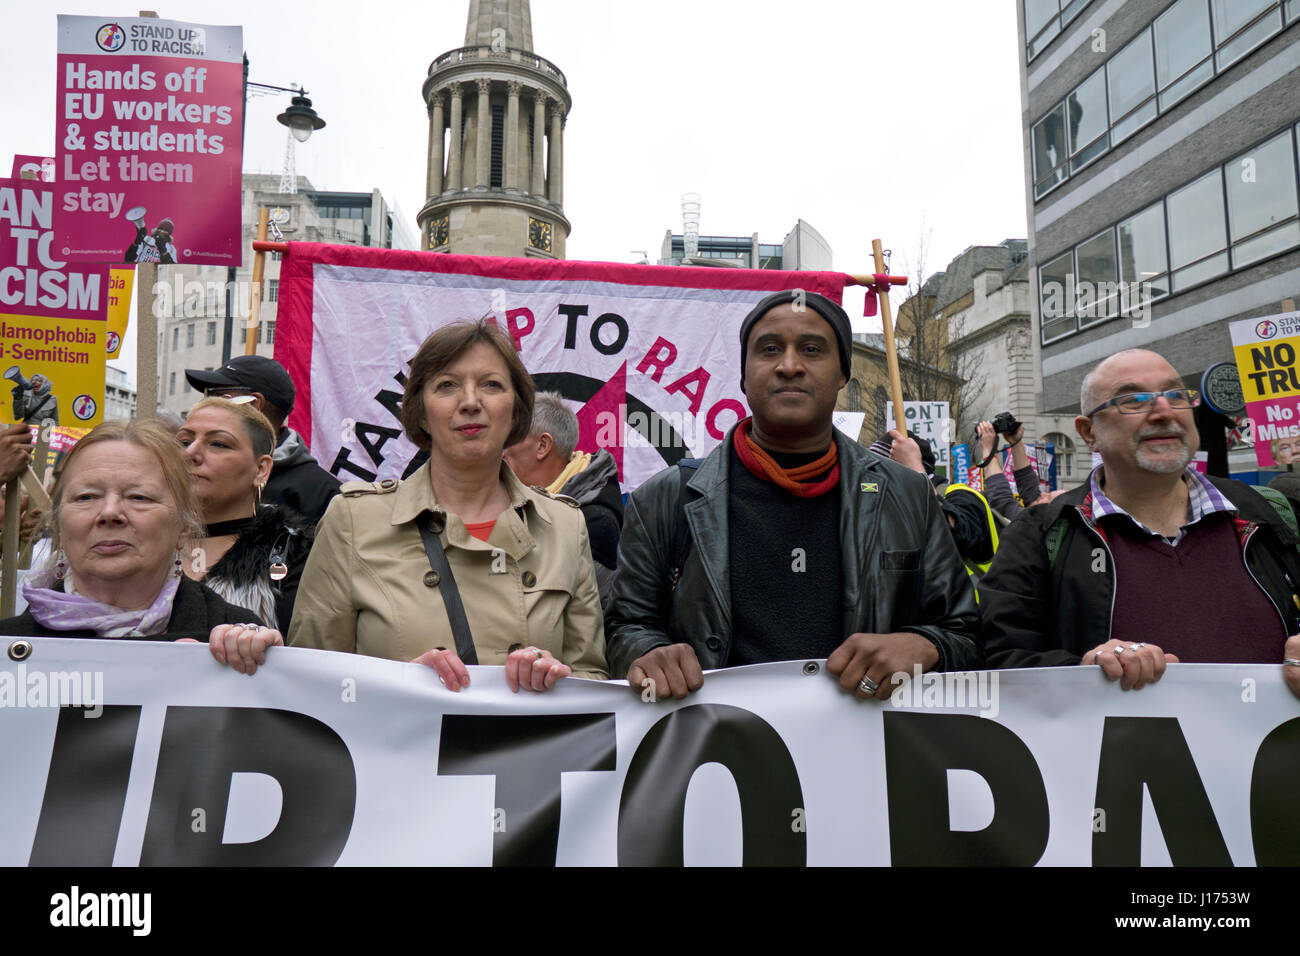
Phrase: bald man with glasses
pixel 1148 562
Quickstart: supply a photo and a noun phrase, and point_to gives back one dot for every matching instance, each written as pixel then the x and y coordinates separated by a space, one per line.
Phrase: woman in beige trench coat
pixel 519 559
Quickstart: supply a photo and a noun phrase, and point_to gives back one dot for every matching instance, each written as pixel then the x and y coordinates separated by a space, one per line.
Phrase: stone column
pixel 539 141
pixel 434 185
pixel 555 161
pixel 455 148
pixel 510 178
pixel 483 125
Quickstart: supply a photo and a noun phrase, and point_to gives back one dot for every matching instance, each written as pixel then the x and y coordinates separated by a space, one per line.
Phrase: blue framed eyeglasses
pixel 1136 403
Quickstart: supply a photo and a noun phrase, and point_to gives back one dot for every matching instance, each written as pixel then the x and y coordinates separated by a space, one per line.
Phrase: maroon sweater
pixel 1196 601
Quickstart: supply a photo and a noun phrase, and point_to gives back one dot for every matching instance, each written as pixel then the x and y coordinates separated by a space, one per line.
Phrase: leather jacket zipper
pixel 1244 545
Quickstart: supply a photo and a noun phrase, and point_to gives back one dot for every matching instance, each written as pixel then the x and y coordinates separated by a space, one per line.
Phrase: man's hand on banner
pixel 534 669
pixel 865 662
pixel 1291 663
pixel 673 671
pixel 451 670
pixel 15 451
pixel 1134 665
pixel 243 646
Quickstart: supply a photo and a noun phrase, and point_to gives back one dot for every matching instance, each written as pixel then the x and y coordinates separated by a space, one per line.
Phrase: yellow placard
pixel 54 369
pixel 1268 369
pixel 119 307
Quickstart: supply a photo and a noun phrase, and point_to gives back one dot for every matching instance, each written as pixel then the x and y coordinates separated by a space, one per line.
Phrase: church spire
pixel 508 22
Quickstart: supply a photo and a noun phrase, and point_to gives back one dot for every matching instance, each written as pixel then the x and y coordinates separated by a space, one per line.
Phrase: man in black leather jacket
pixel 789 541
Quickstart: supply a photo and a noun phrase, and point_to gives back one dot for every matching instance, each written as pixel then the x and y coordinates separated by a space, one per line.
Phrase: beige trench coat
pixel 531 583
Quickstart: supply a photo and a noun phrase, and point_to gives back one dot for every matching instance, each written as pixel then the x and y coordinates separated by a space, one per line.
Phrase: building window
pixel 212 333
pixel 1242 25
pixel 1131 83
pixel 1262 212
pixel 176 338
pixel 273 290
pixel 1143 256
pixel 1197 232
pixel 1183 48
pixel 853 396
pixel 1049 151
pixel 1064 450
pixel 171 384
pixel 1086 108
pixel 266 332
pixel 1056 297
pixel 1096 296
pixel 1044 19
pixel 277 256
pixel 189 336
pixel 498 145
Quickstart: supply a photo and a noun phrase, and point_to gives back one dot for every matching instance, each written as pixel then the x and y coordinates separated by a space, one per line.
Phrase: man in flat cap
pixel 789 541
pixel 297 481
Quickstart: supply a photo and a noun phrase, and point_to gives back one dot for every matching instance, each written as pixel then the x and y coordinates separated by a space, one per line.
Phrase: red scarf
pixel 798 481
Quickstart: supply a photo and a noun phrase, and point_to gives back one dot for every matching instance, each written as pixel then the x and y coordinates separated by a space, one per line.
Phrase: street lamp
pixel 300 118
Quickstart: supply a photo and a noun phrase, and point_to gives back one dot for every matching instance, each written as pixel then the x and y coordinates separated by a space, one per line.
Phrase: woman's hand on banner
pixel 451 670
pixel 534 669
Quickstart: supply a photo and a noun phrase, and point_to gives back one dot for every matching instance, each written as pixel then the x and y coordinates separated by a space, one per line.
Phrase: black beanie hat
pixel 828 310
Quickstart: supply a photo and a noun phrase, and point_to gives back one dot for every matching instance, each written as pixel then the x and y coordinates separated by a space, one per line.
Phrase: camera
pixel 1005 423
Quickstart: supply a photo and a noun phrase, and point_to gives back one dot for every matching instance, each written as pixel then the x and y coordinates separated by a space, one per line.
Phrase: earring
pixel 60 564
pixel 178 566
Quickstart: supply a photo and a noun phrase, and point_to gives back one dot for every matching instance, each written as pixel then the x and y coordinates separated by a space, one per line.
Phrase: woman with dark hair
pixel 461 562
pixel 123 516
pixel 249 553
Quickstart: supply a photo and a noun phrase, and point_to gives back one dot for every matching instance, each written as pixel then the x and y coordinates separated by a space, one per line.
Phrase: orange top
pixel 480 529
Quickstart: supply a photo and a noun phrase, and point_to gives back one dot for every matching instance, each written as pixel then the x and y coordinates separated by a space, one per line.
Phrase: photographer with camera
pixel 996 486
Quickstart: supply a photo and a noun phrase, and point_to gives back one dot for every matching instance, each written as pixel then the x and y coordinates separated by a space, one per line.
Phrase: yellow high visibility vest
pixel 976 569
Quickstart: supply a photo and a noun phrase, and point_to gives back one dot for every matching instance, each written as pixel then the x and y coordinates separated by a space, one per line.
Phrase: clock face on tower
pixel 539 234
pixel 439 232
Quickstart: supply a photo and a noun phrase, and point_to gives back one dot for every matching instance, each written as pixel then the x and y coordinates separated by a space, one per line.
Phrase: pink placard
pixel 1275 426
pixel 148 136
pixel 33 167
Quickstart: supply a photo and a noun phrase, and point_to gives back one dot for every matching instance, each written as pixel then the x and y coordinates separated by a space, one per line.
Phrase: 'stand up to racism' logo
pixel 1266 329
pixel 84 407
pixel 110 37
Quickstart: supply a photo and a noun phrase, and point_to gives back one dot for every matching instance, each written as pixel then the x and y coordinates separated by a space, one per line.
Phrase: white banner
pixel 323 758
pixel 647 356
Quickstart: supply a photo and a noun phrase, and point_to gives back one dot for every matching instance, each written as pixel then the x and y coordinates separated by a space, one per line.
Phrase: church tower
pixel 495 181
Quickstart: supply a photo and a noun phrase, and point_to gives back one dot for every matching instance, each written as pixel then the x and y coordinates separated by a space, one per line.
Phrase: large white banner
pixel 323 758
pixel 647 356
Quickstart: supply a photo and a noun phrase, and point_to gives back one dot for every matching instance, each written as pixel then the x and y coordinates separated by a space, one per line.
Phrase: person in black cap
pixel 789 541
pixel 297 481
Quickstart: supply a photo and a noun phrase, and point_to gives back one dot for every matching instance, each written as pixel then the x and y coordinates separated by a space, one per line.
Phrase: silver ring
pixel 1137 647
pixel 1290 662
pixel 1117 652
pixel 868 686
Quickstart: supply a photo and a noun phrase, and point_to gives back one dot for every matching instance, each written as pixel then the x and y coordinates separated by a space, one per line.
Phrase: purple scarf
pixel 69 611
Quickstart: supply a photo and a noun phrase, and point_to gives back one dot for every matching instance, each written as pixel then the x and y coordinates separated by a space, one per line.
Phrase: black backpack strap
pixel 447 588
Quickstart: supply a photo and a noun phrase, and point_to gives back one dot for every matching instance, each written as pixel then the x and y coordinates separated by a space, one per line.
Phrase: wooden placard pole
pixel 891 350
pixel 32 479
pixel 259 265
pixel 9 565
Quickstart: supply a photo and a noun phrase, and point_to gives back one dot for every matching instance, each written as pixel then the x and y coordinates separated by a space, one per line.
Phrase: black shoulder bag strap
pixel 450 593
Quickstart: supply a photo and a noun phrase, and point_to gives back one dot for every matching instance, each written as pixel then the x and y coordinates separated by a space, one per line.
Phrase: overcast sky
pixel 864 118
